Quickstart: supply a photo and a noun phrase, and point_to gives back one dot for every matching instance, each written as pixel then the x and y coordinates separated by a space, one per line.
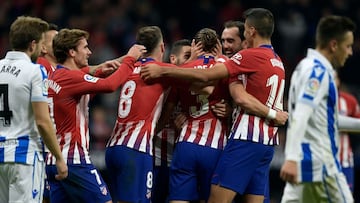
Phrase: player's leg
pixel 83 184
pixel 336 188
pixel 258 186
pixel 183 180
pixel 27 182
pixel 46 195
pixel 132 173
pixel 206 164
pixel 4 180
pixel 220 194
pixel 292 193
pixel 242 168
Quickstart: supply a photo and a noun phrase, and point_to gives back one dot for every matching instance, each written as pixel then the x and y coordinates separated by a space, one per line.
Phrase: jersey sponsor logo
pixel 9 143
pixel 237 58
pixel 90 78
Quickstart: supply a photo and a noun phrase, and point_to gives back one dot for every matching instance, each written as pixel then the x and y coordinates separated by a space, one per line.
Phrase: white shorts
pixel 22 183
pixel 332 189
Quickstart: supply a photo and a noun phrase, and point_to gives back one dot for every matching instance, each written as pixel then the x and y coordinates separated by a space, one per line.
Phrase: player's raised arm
pixel 152 71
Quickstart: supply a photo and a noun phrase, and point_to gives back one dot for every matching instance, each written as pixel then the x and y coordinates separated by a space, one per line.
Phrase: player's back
pixel 139 109
pixel 197 105
pixel 264 78
pixel 203 127
pixel 21 83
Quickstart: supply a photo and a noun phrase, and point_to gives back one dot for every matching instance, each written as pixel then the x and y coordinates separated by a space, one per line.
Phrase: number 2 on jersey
pixel 5 112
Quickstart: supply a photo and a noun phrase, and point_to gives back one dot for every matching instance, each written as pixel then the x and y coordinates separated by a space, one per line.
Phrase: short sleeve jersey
pixel 139 109
pixel 262 73
pixel 21 83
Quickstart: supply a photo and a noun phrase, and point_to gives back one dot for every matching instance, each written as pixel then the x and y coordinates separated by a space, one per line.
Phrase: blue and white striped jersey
pixel 21 82
pixel 312 139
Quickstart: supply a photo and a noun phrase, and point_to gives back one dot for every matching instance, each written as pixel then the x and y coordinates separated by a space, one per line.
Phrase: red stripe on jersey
pixel 210 139
pixel 199 132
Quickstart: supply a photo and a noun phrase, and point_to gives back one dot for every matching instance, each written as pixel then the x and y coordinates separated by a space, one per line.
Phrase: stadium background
pixel 113 23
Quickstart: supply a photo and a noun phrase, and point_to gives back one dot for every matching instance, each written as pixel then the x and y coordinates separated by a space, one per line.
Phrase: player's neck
pixel 70 64
pixel 51 60
pixel 260 42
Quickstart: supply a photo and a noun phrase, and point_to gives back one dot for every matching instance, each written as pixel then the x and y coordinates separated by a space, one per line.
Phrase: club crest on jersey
pixel 90 78
pixel 148 193
pixel 103 190
pixel 312 86
pixel 236 58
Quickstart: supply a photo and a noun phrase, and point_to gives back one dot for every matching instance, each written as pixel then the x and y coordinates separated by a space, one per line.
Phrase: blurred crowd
pixel 112 25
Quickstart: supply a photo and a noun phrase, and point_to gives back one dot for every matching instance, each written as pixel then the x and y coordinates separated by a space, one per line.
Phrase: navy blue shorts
pixel 131 174
pixel 83 184
pixel 244 167
pixel 191 170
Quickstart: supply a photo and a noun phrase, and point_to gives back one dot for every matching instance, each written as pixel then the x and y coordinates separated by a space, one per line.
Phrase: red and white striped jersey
pixel 43 61
pixel 202 126
pixel 264 78
pixel 348 106
pixel 139 109
pixel 69 91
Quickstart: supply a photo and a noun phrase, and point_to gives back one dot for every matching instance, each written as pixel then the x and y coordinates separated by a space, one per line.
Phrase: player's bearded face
pixel 37 50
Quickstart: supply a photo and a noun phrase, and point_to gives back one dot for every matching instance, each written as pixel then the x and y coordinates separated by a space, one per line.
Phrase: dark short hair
pixel 333 27
pixel 177 45
pixel 150 37
pixel 262 20
pixel 238 24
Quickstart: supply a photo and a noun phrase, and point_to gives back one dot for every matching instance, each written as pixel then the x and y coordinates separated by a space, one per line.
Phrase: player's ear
pixel 32 46
pixel 162 47
pixel 172 59
pixel 71 52
pixel 333 44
